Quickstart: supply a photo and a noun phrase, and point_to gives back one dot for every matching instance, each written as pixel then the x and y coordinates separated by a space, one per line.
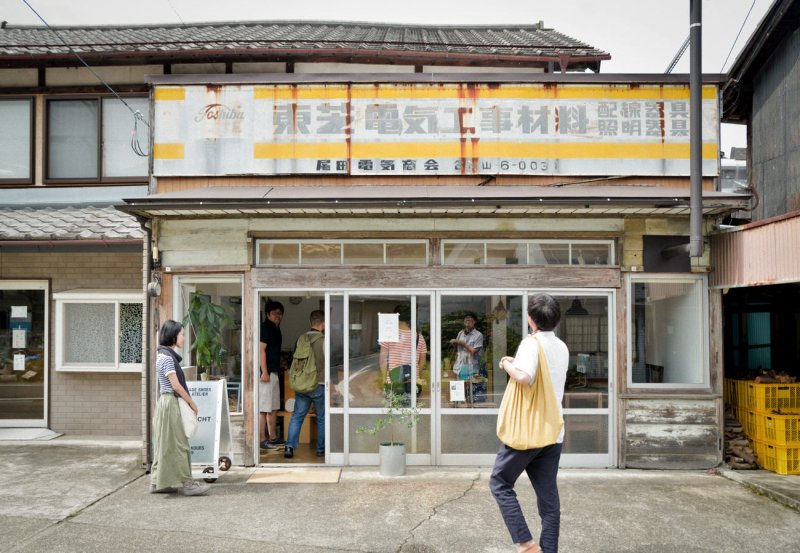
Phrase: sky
pixel 642 36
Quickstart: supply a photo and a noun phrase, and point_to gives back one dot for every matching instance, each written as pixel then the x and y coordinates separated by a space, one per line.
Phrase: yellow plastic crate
pixel 782 429
pixel 765 398
pixel 741 394
pixel 760 449
pixel 749 424
pixel 783 460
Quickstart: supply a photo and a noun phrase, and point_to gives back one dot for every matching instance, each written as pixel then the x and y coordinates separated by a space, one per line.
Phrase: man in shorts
pixel 269 363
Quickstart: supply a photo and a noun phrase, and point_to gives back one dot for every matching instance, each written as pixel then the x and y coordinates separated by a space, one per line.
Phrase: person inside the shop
pixel 540 464
pixel 468 345
pixel 395 357
pixel 303 401
pixel 172 457
pixel 269 363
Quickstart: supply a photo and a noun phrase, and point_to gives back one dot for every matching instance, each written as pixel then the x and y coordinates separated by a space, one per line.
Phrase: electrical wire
pixel 137 115
pixel 737 36
pixel 176 13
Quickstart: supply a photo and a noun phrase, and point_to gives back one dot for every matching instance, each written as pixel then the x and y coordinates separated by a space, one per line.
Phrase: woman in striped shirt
pixel 395 358
pixel 172 457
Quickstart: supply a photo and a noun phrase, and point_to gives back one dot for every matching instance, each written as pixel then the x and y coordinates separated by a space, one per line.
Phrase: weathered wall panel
pixel 672 433
pixel 776 139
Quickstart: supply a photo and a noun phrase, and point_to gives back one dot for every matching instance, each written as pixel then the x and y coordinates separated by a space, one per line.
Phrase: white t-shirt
pixel 527 360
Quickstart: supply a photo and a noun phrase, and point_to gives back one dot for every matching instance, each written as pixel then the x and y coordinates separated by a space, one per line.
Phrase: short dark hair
pixel 168 335
pixel 317 316
pixel 272 305
pixel 472 315
pixel 545 311
pixel 404 310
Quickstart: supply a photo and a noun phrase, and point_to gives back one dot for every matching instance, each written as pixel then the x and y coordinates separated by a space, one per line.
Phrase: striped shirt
pixel 400 352
pixel 164 365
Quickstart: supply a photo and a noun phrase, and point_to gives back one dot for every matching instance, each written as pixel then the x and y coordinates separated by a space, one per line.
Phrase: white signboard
pixel 457 390
pixel 19 311
pixel 214 425
pixel 430 129
pixel 18 338
pixel 19 362
pixel 388 327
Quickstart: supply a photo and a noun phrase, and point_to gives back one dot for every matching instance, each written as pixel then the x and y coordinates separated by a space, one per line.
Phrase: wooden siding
pixel 667 433
pixel 176 184
pixel 436 277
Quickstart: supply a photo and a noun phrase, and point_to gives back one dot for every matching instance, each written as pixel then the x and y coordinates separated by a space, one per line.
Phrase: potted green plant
pixel 207 322
pixel 393 453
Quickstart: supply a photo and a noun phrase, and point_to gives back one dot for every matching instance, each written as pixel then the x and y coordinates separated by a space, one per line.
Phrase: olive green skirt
pixel 172 457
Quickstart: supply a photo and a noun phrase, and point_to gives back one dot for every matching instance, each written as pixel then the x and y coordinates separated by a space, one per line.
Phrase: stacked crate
pixel 770 416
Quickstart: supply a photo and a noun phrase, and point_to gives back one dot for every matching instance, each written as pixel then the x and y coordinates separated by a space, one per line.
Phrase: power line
pixel 737 36
pixel 176 12
pixel 93 72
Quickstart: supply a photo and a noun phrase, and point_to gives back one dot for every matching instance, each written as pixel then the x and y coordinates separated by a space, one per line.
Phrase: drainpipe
pixel 146 227
pixel 696 130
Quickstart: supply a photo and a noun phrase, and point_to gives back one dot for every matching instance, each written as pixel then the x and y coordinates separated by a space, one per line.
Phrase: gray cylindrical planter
pixel 392 459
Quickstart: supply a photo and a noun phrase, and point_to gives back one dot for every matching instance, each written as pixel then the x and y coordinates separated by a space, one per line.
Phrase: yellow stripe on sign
pixel 168 151
pixel 333 92
pixel 318 150
pixel 543 150
pixel 532 92
pixel 170 93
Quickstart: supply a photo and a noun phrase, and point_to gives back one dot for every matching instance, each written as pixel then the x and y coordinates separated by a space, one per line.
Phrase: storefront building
pixel 438 197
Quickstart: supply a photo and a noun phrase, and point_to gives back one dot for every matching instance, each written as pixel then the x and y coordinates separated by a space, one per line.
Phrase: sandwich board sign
pixel 213 434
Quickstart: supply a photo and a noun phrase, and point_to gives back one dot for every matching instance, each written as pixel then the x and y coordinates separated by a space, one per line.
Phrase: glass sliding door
pixel 476 330
pixel 586 329
pixel 23 353
pixel 387 340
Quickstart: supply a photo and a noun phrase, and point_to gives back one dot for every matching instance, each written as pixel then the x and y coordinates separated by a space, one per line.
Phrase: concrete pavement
pixel 86 496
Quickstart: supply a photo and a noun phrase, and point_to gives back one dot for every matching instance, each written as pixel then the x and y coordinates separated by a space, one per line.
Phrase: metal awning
pixel 361 200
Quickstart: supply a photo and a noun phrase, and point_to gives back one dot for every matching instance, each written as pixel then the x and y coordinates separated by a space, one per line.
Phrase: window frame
pixel 81 296
pixel 569 243
pixel 31 143
pixel 341 241
pixel 703 323
pixel 99 179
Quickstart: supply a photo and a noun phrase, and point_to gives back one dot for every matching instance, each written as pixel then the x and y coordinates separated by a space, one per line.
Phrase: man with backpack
pixel 307 379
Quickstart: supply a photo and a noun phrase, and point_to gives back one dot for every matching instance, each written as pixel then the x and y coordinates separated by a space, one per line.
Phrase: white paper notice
pixel 457 390
pixel 19 311
pixel 19 362
pixel 388 327
pixel 18 336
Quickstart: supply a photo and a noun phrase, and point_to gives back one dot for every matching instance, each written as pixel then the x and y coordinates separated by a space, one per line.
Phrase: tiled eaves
pixel 67 223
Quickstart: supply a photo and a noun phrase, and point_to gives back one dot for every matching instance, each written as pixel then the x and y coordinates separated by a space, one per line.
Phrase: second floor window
pixel 16 141
pixel 89 140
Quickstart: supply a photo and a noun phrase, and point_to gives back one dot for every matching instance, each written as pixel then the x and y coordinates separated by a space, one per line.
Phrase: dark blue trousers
pixel 541 465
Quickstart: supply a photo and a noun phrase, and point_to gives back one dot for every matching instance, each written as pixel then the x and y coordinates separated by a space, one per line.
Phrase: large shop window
pixel 528 252
pixel 99 330
pixel 341 252
pixel 90 140
pixel 210 309
pixel 668 333
pixel 16 141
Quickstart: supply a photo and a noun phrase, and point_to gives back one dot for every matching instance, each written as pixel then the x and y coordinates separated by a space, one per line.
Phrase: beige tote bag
pixel 529 416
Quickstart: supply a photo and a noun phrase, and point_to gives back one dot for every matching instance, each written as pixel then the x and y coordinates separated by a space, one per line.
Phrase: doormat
pixel 295 476
pixel 28 434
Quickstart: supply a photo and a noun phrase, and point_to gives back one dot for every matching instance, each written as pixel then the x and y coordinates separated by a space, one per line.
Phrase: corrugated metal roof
pixel 67 223
pixel 757 254
pixel 444 200
pixel 244 39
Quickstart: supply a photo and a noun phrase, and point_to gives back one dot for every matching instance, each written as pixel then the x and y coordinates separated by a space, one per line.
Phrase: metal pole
pixel 696 130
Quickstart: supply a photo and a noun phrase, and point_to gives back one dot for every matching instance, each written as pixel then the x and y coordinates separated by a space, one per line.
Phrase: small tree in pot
pixel 207 321
pixel 393 453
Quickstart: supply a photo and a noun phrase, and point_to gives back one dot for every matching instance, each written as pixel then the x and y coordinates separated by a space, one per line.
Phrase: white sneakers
pixel 193 487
